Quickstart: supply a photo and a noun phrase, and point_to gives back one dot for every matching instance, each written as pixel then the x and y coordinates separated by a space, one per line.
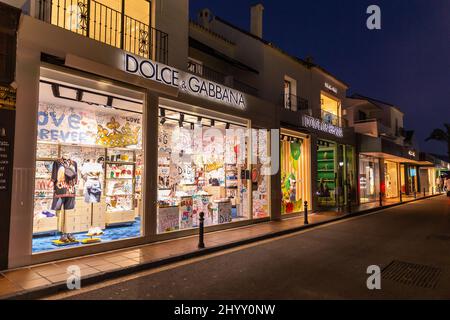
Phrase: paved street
pixel 328 262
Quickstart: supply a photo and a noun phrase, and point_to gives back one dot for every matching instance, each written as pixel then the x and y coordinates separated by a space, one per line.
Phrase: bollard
pixel 201 233
pixel 424 191
pixel 401 196
pixel 306 212
pixel 415 194
pixel 381 199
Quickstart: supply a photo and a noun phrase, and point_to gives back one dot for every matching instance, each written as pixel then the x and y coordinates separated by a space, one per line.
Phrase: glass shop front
pixel 295 155
pixel 204 165
pixel 335 173
pixel 369 179
pixel 391 179
pixel 89 163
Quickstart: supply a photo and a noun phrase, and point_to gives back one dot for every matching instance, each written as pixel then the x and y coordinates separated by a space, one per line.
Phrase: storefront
pixel 295 165
pixel 335 173
pixel 121 153
pixel 369 178
pixel 391 177
pixel 89 162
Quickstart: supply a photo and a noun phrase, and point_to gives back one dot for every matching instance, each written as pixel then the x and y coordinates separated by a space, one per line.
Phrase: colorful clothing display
pixel 64 178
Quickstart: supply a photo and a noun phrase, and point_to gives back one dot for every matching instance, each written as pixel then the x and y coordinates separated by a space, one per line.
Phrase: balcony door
pixel 123 24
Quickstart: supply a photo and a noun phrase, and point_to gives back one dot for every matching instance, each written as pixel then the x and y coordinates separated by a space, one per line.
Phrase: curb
pixel 62 287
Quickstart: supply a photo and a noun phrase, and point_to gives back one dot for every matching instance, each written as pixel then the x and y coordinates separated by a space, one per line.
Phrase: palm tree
pixel 441 135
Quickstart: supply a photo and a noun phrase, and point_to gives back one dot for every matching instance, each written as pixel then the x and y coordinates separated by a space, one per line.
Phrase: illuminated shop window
pixel 391 179
pixel 89 164
pixel 295 173
pixel 202 167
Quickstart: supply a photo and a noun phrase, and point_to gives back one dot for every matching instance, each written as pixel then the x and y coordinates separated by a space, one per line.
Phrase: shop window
pixel 202 167
pixel 330 109
pixel 295 173
pixel 327 170
pixel 260 179
pixel 391 179
pixel 369 179
pixel 89 164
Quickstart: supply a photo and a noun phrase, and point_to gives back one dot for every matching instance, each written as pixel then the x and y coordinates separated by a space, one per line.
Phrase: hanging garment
pixel 65 179
pixel 92 188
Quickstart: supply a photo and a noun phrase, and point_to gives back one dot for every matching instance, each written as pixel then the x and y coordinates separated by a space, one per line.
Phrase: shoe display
pixel 71 238
pixel 64 238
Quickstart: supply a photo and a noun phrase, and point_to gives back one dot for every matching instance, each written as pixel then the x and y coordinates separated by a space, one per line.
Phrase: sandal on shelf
pixel 64 238
pixel 71 238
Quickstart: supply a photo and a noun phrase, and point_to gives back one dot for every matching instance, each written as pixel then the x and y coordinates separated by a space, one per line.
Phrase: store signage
pixel 331 88
pixel 186 82
pixel 317 124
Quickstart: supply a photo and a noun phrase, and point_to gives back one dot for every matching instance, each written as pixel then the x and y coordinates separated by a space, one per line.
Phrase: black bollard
pixel 415 194
pixel 381 199
pixel 401 197
pixel 201 233
pixel 306 212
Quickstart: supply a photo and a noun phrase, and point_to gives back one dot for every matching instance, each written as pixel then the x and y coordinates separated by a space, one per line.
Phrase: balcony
pixel 293 103
pixel 374 128
pixel 219 77
pixel 102 23
pixel 333 119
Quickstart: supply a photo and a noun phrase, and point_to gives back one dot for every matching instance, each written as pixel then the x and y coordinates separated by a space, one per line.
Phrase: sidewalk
pixel 50 278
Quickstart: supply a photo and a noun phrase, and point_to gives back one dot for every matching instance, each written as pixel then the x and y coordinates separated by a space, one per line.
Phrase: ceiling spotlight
pixel 162 121
pixel 212 122
pixel 192 126
pixel 227 126
pixel 199 120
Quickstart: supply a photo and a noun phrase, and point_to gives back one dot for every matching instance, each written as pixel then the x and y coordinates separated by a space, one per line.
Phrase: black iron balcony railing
pixel 206 72
pixel 102 23
pixel 244 87
pixel 219 77
pixel 293 103
pixel 333 119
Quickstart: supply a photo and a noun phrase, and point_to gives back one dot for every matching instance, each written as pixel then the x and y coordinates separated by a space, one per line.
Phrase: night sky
pixel 406 63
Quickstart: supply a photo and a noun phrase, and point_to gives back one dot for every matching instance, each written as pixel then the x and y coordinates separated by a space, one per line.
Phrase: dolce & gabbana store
pixel 114 151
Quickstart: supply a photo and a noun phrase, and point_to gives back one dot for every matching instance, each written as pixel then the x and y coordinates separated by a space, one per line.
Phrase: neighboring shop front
pixel 295 166
pixel 387 168
pixel 318 153
pixel 117 156
pixel 369 178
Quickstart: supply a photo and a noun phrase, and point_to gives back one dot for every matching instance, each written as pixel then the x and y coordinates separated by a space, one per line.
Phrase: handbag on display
pixel 70 173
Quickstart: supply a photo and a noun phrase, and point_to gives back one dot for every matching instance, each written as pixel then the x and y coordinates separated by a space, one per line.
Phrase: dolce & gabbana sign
pixel 317 124
pixel 186 82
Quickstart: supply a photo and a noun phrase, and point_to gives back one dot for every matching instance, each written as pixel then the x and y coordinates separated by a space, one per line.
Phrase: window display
pixel 369 178
pixel 202 167
pixel 295 173
pixel 89 164
pixel 391 179
pixel 326 173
